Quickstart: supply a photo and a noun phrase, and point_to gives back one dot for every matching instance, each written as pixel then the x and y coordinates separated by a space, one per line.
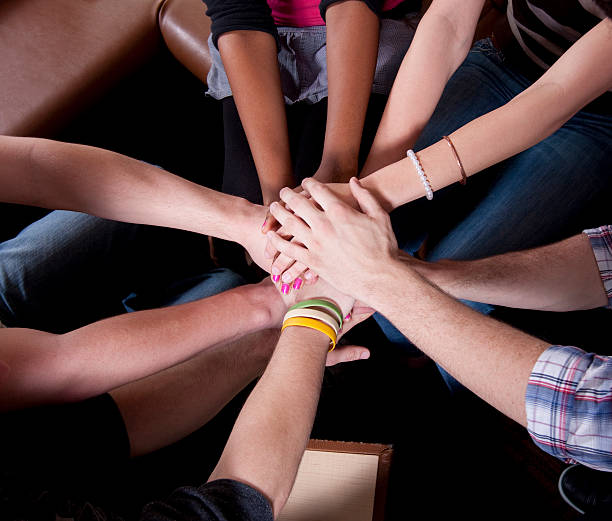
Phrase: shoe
pixel 586 490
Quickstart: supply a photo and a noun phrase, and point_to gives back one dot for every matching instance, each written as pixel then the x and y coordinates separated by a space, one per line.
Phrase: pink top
pixel 305 13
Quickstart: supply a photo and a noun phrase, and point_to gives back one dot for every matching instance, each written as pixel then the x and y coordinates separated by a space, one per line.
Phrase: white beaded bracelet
pixel 417 165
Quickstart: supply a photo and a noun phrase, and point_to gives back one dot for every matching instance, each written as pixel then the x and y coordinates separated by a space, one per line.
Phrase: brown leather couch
pixel 59 56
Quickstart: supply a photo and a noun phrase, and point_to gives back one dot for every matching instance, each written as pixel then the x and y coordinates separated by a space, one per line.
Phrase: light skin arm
pixel 270 435
pixel 441 42
pixel 559 277
pixel 575 79
pixel 47 368
pixel 257 93
pixel 357 252
pixel 56 175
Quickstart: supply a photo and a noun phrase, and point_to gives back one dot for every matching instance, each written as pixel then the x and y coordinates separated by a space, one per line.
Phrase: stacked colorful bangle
pixel 319 314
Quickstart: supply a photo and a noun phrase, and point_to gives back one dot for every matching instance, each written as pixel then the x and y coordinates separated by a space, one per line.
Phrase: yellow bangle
pixel 312 324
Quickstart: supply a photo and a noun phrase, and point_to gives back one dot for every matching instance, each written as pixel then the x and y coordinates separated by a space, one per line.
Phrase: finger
pixel 347 353
pixel 300 206
pixel 270 223
pixel 310 277
pixel 280 265
pixel 292 224
pixel 271 252
pixel 295 275
pixel 321 194
pixel 367 202
pixel 292 249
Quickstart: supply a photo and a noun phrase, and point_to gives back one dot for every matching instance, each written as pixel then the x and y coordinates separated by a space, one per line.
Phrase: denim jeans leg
pixel 57 274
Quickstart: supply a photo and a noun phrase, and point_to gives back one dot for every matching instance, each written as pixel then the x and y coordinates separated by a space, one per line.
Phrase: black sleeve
pixel 374 5
pixel 72 436
pixel 220 500
pixel 235 15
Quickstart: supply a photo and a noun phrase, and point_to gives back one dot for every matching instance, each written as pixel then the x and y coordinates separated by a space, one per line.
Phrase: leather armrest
pixel 185 29
pixel 58 56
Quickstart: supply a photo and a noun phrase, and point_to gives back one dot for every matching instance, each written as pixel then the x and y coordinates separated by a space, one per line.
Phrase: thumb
pixel 348 353
pixel 367 202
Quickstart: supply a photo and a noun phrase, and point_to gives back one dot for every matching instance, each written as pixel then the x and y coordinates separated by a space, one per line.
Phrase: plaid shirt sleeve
pixel 601 242
pixel 569 406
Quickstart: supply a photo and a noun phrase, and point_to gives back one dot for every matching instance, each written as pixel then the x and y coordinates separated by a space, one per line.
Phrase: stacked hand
pixel 344 246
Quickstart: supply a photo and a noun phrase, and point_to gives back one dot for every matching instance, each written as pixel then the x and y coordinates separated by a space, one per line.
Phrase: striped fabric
pixel 569 406
pixel 545 29
pixel 601 242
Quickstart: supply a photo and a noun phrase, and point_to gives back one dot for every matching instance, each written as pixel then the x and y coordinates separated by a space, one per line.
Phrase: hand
pixel 342 245
pixel 253 241
pixel 353 314
pixel 284 267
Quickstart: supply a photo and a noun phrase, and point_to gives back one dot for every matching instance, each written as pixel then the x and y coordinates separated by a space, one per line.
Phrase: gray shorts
pixel 303 64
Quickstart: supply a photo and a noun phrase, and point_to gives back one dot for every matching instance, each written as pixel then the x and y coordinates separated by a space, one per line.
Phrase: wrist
pixel 337 167
pixel 245 220
pixel 267 304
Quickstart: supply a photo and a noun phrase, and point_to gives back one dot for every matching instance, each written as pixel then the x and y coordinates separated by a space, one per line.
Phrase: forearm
pixel 56 175
pixel 257 93
pixel 352 48
pixel 106 354
pixel 490 358
pixel 273 428
pixel 558 277
pixel 480 144
pixel 437 50
pixel 188 395
pixel 574 80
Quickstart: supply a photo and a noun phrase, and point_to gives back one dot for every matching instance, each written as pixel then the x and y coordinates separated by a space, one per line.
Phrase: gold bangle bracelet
pixel 454 150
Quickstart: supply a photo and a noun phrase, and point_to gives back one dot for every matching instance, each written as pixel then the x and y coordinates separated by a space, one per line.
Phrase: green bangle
pixel 316 302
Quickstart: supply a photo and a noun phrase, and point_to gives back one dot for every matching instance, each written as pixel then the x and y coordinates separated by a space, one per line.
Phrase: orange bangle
pixel 454 150
pixel 312 324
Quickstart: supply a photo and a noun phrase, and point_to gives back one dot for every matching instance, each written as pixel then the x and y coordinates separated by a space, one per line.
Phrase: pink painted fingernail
pixel 297 283
pixel 275 278
pixel 262 226
pixel 347 317
pixel 285 289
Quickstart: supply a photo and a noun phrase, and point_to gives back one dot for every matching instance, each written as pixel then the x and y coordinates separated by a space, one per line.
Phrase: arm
pixel 257 93
pixel 441 42
pixel 357 253
pixel 352 48
pixel 558 277
pixel 268 440
pixel 47 368
pixel 66 176
pixel 575 79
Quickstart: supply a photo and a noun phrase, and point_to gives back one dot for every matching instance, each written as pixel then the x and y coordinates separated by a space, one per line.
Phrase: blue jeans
pixel 69 269
pixel 549 192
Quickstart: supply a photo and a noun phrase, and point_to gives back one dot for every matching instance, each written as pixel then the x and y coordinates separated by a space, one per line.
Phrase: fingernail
pixel 365 355
pixel 297 283
pixel 275 278
pixel 285 289
pixel 275 271
pixel 286 277
pixel 308 276
pixel 347 317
